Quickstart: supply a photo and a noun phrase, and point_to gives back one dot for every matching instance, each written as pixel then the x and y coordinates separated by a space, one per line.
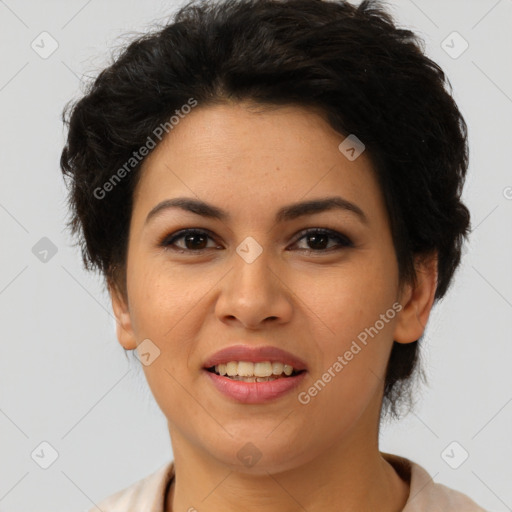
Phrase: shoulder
pixel 425 495
pixel 146 494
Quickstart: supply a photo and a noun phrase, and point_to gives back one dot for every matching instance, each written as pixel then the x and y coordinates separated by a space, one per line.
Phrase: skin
pixel 319 456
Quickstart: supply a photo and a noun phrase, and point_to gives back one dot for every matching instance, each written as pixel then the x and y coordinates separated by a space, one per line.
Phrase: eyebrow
pixel 286 213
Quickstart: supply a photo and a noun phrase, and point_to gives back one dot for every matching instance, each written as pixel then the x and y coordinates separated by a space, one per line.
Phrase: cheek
pixel 355 350
pixel 356 310
pixel 162 298
pixel 349 297
pixel 168 307
pixel 165 304
pixel 355 319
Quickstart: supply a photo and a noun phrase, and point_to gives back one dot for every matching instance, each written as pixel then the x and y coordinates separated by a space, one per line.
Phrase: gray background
pixel 64 379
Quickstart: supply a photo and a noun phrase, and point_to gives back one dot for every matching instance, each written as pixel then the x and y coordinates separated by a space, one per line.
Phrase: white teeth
pixel 277 368
pixel 263 369
pixel 246 369
pixel 249 369
pixel 232 368
pixel 288 369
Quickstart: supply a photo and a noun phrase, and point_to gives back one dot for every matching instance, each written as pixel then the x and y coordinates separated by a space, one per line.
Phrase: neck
pixel 351 476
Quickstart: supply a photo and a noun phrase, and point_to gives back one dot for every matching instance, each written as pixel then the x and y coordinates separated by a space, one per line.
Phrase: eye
pixel 318 239
pixel 194 240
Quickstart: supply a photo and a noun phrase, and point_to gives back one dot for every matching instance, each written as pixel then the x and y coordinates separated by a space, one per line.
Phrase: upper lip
pixel 255 355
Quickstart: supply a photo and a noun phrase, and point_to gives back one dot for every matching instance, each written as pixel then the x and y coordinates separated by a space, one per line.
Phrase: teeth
pixel 277 368
pixel 254 379
pixel 249 369
pixel 231 368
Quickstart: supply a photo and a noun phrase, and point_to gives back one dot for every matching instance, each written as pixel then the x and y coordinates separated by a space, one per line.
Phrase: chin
pixel 259 457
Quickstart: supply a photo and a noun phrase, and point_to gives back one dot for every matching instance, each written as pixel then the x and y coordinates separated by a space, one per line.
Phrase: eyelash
pixel 343 241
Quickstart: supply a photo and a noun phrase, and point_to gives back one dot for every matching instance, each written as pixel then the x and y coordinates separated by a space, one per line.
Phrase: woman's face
pixel 256 278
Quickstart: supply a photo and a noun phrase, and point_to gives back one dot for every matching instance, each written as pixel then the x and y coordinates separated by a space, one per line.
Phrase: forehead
pixel 247 156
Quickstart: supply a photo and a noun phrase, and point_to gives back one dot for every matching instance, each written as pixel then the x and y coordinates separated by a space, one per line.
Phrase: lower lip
pixel 255 392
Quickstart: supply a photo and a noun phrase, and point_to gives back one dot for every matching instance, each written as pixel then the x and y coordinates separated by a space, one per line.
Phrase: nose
pixel 254 294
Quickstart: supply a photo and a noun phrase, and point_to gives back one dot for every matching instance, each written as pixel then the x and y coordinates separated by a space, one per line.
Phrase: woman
pixel 272 193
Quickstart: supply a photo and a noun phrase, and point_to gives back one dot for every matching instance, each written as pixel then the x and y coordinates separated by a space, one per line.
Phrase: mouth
pixel 247 371
pixel 278 382
pixel 254 375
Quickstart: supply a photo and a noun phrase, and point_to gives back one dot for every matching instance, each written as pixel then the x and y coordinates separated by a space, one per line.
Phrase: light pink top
pixel 148 494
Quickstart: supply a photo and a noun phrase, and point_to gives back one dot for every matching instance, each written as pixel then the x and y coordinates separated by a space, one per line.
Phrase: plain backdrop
pixel 64 379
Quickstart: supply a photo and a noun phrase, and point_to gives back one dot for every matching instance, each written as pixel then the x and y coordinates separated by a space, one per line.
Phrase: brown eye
pixel 318 240
pixel 193 240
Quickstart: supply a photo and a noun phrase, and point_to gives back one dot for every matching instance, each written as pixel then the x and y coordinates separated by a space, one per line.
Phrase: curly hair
pixel 353 64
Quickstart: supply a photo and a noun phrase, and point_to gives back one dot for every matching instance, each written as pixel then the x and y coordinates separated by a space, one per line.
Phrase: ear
pixel 124 328
pixel 417 300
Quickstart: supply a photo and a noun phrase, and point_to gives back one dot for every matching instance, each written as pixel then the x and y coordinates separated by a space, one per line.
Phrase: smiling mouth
pixel 254 378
